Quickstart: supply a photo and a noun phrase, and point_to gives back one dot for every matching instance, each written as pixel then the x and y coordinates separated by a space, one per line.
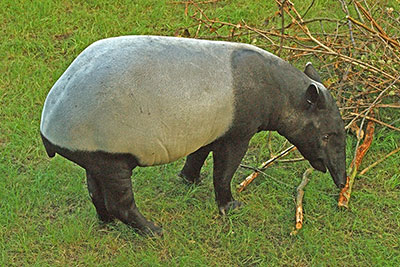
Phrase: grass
pixel 47 218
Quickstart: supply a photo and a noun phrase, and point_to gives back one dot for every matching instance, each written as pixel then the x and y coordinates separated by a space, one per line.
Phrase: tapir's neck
pixel 287 90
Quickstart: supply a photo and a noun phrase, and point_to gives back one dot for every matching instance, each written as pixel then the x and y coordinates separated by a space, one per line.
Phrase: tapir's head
pixel 318 129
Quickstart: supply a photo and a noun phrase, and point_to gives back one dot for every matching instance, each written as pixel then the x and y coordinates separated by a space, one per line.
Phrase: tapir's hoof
pixel 188 179
pixel 232 205
pixel 104 219
pixel 151 230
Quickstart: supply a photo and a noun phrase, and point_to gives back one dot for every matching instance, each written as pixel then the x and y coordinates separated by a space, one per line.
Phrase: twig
pixel 375 101
pixel 359 133
pixel 283 27
pixel 299 200
pixel 264 173
pixel 265 165
pixel 312 20
pixel 375 120
pixel 303 26
pixel 346 10
pixel 291 160
pixel 358 13
pixel 351 60
pixel 198 27
pixel 327 48
pixel 370 18
pixel 308 9
pixel 379 161
pixel 389 40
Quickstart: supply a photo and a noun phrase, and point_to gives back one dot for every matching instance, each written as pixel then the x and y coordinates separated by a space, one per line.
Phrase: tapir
pixel 147 100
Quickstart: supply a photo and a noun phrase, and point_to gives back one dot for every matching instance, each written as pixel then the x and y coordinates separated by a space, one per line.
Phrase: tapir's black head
pixel 319 132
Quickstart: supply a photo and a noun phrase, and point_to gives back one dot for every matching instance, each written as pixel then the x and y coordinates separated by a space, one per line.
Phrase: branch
pixel 299 200
pixel 263 166
pixel 283 27
pixel 379 161
pixel 389 40
pixel 375 120
pixel 346 10
pixel 345 193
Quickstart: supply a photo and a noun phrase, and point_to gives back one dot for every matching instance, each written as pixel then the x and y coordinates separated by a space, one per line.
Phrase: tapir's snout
pixel 337 170
pixel 340 180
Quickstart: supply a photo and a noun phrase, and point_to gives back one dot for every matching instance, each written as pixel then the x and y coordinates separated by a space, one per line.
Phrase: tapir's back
pixel 158 98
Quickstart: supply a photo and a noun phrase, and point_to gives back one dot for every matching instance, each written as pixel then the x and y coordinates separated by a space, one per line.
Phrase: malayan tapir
pixel 147 100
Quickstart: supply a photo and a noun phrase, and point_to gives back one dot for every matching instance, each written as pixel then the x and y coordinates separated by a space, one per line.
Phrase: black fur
pixel 109 184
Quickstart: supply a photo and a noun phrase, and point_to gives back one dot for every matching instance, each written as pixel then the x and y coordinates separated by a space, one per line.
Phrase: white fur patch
pixel 158 98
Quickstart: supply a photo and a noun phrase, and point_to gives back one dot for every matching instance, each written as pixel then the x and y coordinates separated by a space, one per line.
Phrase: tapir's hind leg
pixel 119 200
pixel 227 157
pixel 193 164
pixel 96 194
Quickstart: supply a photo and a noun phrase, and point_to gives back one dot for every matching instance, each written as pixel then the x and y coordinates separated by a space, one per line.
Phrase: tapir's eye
pixel 326 137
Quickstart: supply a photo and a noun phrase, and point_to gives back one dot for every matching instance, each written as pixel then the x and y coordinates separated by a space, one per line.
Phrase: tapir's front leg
pixel 193 164
pixel 227 157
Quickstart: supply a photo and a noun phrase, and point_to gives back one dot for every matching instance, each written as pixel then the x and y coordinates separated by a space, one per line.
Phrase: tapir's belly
pixel 156 101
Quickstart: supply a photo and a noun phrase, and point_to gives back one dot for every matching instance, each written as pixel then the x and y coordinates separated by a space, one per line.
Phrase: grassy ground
pixel 48 219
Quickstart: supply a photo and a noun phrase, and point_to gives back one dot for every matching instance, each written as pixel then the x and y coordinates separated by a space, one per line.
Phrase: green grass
pixel 46 216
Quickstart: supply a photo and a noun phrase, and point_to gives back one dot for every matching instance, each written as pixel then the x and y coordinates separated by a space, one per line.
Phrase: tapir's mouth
pixel 318 165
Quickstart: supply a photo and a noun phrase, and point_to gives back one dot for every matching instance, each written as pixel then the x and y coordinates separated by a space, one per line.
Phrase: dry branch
pixel 379 161
pixel 345 193
pixel 382 35
pixel 299 200
pixel 263 166
pixel 375 120
pixel 359 133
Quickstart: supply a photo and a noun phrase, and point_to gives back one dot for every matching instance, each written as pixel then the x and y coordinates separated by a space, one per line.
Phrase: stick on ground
pixel 345 193
pixel 263 166
pixel 299 200
pixel 379 161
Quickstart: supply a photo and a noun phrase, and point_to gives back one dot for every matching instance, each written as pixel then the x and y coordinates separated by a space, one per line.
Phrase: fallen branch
pixel 382 33
pixel 381 94
pixel 348 59
pixel 266 174
pixel 299 201
pixel 345 193
pixel 379 161
pixel 346 10
pixel 391 41
pixel 263 166
pixel 282 28
pixel 291 160
pixel 375 120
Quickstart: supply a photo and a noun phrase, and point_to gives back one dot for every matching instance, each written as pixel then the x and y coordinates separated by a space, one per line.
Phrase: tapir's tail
pixel 48 146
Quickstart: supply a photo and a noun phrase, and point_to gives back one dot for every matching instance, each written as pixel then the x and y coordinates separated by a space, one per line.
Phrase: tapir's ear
pixel 312 73
pixel 315 96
